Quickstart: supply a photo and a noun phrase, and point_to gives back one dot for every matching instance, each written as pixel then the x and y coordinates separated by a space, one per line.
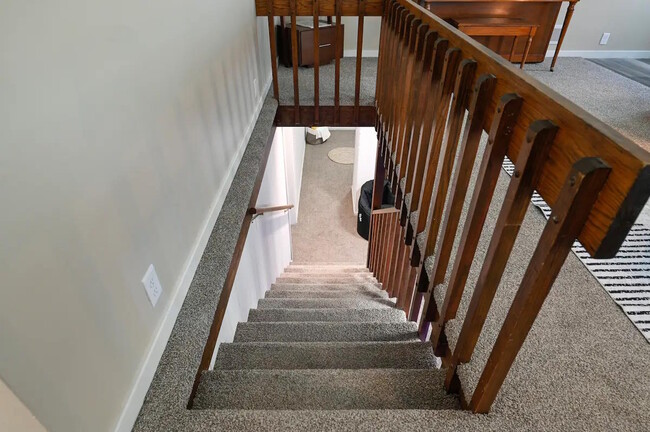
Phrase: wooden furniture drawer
pixel 326 42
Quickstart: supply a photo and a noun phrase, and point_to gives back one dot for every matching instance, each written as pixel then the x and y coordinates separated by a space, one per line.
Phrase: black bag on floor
pixel 365 205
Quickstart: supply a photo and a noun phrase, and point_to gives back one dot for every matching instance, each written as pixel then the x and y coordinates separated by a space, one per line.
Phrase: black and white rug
pixel 626 277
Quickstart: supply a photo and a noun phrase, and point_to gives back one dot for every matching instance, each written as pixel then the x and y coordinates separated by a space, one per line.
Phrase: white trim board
pixel 145 375
pixel 601 53
pixel 364 53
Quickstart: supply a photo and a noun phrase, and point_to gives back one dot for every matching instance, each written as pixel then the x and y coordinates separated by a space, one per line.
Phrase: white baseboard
pixel 145 376
pixel 364 53
pixel 601 53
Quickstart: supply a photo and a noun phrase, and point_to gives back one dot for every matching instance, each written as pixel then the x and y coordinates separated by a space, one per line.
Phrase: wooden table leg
pixel 527 49
pixel 565 26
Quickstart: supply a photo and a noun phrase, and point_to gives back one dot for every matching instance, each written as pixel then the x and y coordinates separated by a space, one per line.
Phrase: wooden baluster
pixel 569 215
pixel 394 87
pixel 481 97
pixel 381 58
pixel 274 49
pixel 372 243
pixel 501 130
pixel 294 61
pixel 443 97
pixel 421 81
pixel 357 79
pixel 385 88
pixel 414 80
pixel 462 89
pixel 400 42
pixel 316 16
pixel 400 144
pixel 439 65
pixel 528 168
pixel 338 47
pixel 423 134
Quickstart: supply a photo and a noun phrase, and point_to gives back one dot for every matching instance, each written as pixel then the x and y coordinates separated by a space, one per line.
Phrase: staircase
pixel 325 337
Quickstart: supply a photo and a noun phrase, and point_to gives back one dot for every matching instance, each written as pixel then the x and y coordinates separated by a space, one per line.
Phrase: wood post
pixel 570 212
pixel 528 168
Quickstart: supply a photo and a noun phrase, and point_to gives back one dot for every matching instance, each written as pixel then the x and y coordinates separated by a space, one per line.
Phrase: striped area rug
pixel 626 277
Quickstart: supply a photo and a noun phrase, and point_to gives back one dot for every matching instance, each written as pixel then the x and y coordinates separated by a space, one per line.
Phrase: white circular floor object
pixel 342 155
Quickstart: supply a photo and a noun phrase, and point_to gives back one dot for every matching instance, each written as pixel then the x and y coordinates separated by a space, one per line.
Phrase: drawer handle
pixel 324 45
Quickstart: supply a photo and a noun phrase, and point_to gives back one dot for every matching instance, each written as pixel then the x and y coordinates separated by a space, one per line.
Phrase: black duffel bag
pixel 365 206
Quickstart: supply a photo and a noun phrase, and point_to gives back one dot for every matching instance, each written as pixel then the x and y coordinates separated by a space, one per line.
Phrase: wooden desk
pixel 543 13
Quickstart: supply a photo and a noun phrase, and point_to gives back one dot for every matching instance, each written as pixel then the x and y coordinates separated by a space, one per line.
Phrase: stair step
pixel 327 315
pixel 325 355
pixel 324 332
pixel 333 389
pixel 327 287
pixel 325 264
pixel 294 303
pixel 323 294
pixel 327 269
pixel 327 279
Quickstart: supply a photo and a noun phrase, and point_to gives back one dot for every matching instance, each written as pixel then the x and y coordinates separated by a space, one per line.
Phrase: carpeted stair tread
pixel 327 315
pixel 330 389
pixel 356 286
pixel 326 287
pixel 321 294
pixel 328 279
pixel 295 303
pixel 325 332
pixel 327 269
pixel 325 355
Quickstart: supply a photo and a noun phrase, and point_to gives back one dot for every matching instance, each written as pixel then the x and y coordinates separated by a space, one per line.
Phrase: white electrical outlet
pixel 152 285
pixel 604 39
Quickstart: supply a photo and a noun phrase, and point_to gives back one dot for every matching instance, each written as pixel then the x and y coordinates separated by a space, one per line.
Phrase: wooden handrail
pixel 261 210
pixel 431 78
pixel 224 298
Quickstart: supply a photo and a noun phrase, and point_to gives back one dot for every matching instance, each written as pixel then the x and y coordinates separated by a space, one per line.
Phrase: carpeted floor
pixel 618 101
pixel 326 74
pixel 326 228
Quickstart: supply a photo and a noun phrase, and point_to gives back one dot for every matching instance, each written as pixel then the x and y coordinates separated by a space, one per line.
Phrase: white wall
pixel 294 146
pixel 267 251
pixel 365 155
pixel 121 124
pixel 627 21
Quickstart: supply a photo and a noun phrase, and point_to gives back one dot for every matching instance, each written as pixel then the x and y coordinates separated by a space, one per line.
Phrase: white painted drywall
pixel 294 147
pixel 14 415
pixel 627 21
pixel 267 250
pixel 121 124
pixel 365 154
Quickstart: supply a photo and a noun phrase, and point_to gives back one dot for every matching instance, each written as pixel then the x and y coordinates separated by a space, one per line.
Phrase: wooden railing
pixel 438 91
pixel 316 114
pixel 224 298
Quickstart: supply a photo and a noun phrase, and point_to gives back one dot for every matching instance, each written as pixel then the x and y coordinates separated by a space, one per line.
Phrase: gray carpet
pixel 327 227
pixel 336 365
pixel 326 74
pixel 616 100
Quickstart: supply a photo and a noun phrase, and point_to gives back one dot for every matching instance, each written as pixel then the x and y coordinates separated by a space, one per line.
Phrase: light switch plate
pixel 152 285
